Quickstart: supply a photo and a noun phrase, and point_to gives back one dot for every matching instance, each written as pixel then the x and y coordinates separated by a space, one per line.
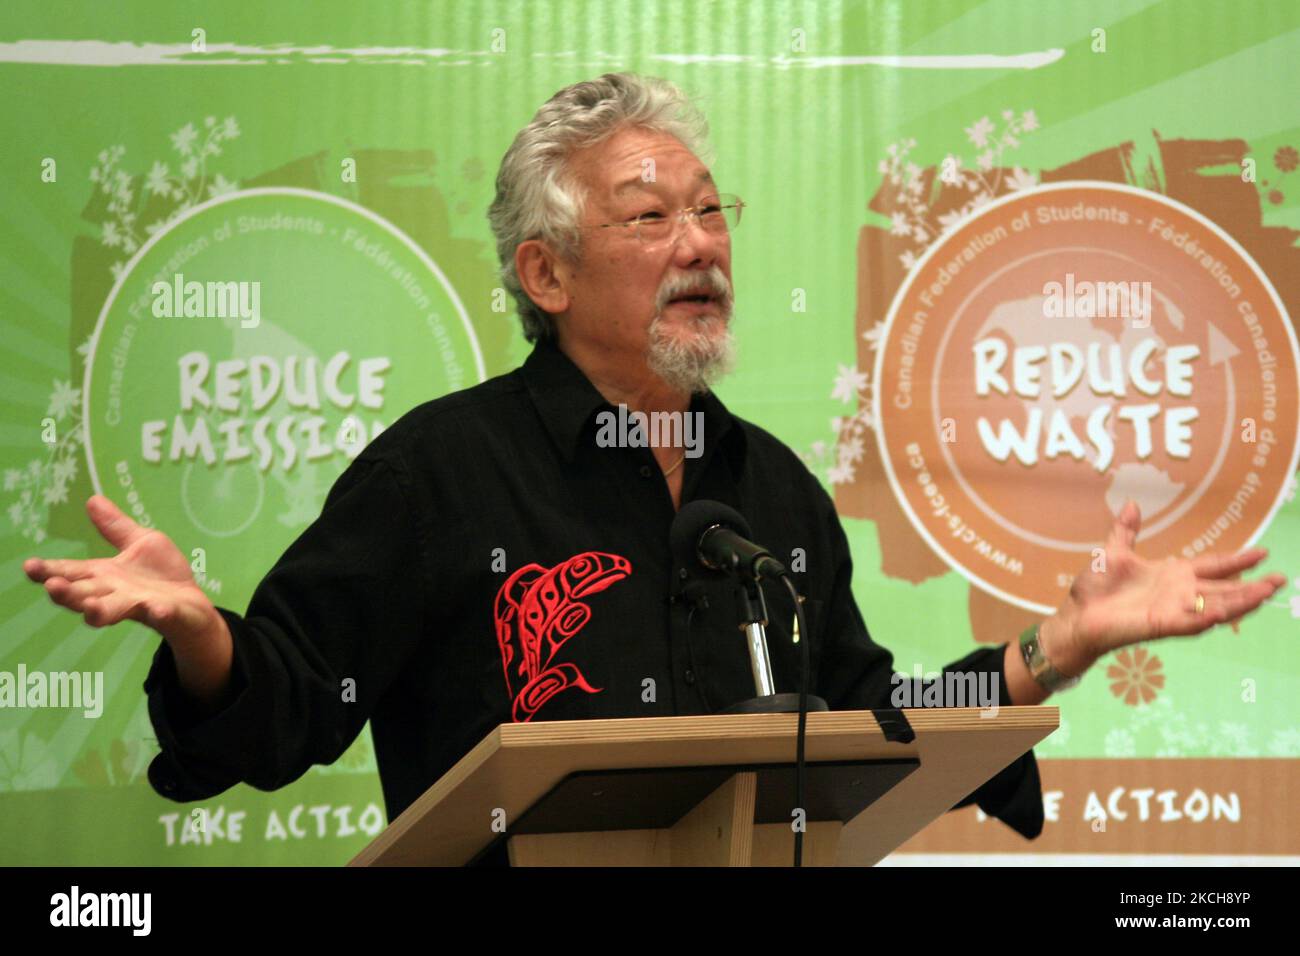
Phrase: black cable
pixel 690 651
pixel 804 668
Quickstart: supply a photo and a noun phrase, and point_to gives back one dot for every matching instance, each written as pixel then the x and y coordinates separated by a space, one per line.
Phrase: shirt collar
pixel 566 401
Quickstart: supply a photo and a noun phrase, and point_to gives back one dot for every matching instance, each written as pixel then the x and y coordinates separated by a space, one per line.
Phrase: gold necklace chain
pixel 676 466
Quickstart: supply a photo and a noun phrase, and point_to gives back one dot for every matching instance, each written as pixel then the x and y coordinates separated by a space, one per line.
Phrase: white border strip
pixel 127 53
pixel 1081 859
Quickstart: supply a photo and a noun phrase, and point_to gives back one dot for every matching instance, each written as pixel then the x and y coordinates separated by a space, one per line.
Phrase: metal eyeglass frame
pixel 724 202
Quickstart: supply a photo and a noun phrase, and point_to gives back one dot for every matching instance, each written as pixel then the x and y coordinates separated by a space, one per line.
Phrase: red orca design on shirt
pixel 537 610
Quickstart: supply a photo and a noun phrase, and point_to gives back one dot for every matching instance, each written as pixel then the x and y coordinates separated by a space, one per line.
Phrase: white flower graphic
pixel 978 132
pixel 158 181
pixel 874 334
pixel 85 348
pixel 192 184
pixel 852 449
pixel 220 186
pixel 949 220
pixel 1285 743
pixel 841 474
pixel 44 483
pixel 1119 743
pixel 62 399
pixel 1021 179
pixel 183 139
pixel 848 383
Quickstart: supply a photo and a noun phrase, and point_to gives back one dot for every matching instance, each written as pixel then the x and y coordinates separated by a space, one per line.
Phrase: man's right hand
pixel 148 581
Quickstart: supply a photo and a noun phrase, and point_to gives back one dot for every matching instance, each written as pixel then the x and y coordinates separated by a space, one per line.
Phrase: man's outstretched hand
pixel 148 581
pixel 1124 599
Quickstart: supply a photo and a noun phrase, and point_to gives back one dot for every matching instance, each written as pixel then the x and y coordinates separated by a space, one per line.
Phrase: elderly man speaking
pixel 502 553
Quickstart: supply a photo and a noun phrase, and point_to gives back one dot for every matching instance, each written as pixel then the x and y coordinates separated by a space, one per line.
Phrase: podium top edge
pixel 922 720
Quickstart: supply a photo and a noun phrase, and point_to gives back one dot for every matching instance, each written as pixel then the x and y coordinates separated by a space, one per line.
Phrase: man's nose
pixel 694 242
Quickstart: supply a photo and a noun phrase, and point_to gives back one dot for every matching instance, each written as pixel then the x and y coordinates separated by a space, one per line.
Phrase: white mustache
pixel 713 282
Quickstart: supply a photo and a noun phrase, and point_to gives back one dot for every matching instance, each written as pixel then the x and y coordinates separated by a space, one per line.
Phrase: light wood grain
pixel 719 830
pixel 517 764
pixel 774 844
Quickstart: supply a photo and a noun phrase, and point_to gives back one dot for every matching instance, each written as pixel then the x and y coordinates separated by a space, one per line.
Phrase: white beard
pixel 693 363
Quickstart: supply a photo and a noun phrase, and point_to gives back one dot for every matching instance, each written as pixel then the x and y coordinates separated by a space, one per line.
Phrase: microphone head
pixel 693 520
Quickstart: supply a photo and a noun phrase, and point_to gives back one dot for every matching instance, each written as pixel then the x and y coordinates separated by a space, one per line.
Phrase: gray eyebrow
pixel 704 177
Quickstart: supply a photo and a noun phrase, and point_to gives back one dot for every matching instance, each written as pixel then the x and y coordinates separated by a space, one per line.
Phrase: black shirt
pixel 485 560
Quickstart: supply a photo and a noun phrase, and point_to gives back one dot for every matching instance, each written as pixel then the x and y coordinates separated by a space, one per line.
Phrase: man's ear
pixel 539 273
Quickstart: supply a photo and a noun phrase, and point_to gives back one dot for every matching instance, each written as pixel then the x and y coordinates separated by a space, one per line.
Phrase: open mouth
pixel 699 298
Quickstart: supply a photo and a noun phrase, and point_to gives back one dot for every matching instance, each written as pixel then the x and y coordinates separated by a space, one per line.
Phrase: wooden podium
pixel 716 790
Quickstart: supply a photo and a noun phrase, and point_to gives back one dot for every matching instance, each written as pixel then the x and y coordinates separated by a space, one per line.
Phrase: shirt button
pixel 645 471
pixel 690 676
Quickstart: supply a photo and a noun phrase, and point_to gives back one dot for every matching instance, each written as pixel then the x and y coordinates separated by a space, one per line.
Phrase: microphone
pixel 718 537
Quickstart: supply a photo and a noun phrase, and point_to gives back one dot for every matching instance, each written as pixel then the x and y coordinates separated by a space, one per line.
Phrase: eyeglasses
pixel 717 214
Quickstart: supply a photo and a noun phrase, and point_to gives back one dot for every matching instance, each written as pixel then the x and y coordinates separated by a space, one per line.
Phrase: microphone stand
pixel 753 615
pixel 753 622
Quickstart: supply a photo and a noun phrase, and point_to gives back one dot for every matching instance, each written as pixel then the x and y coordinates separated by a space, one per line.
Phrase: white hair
pixel 538 198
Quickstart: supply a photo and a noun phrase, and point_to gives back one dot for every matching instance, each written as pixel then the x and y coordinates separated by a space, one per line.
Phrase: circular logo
pixel 246 354
pixel 1071 347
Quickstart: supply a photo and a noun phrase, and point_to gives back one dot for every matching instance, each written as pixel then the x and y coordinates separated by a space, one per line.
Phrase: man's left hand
pixel 1125 599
